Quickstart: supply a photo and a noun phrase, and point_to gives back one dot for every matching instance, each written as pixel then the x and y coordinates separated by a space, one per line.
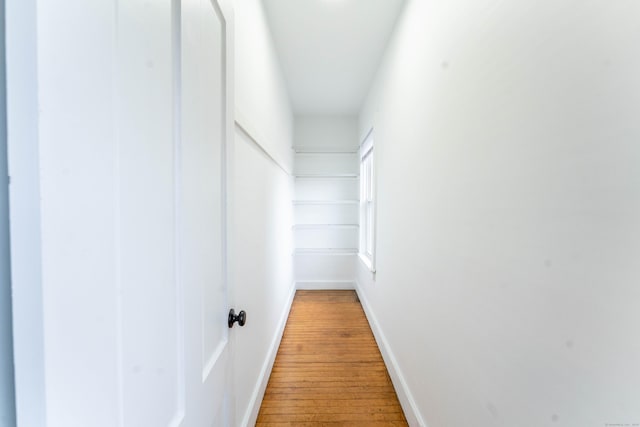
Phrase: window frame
pixel 367 234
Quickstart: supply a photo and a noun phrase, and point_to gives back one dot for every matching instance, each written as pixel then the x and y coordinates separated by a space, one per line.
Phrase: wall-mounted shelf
pixel 326 251
pixel 325 202
pixel 326 211
pixel 325 150
pixel 326 176
pixel 315 152
pixel 324 226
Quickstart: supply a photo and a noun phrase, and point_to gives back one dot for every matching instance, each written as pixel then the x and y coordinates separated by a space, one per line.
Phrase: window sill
pixel 367 262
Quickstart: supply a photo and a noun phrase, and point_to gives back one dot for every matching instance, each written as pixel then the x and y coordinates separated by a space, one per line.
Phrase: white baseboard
pixel 312 285
pixel 251 415
pixel 411 412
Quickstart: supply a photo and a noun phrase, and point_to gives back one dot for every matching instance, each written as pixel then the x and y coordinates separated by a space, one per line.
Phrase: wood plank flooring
pixel 329 371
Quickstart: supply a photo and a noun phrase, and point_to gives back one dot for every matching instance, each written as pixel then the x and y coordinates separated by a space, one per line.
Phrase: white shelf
pixel 325 202
pixel 327 251
pixel 326 176
pixel 325 150
pixel 329 153
pixel 321 226
pixel 325 231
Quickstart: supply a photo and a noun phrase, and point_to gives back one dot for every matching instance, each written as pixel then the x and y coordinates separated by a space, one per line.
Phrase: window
pixel 367 203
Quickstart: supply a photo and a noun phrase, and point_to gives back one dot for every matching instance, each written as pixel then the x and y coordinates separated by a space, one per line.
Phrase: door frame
pixel 7 387
pixel 24 210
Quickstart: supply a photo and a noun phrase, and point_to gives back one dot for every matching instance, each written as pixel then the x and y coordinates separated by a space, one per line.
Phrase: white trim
pixel 325 150
pixel 176 40
pixel 312 285
pixel 244 125
pixel 327 176
pixel 367 262
pixel 326 251
pixel 366 149
pixel 304 152
pixel 324 226
pixel 411 411
pixel 250 417
pixel 362 147
pixel 325 202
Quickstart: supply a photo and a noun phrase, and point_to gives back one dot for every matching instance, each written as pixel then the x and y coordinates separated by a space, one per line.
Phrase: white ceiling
pixel 330 49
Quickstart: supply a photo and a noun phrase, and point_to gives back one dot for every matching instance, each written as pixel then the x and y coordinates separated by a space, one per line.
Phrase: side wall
pixel 7 398
pixel 508 195
pixel 262 101
pixel 262 194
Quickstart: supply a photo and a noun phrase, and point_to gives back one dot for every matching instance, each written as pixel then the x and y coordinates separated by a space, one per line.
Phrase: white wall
pixel 326 132
pixel 7 402
pixel 508 202
pixel 261 95
pixel 262 194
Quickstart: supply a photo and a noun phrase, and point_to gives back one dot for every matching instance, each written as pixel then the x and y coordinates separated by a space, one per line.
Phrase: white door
pixel 119 118
pixel 206 121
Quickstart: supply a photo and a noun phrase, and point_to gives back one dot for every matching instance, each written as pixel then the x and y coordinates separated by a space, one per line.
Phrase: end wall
pixel 326 133
pixel 325 206
pixel 507 140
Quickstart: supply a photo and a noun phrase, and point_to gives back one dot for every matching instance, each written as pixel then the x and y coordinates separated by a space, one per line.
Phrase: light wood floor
pixel 329 371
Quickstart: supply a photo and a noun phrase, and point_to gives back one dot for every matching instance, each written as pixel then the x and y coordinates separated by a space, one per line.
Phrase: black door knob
pixel 241 317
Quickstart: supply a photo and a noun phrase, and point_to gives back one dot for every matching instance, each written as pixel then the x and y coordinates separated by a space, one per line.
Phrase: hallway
pixel 329 370
pixel 467 168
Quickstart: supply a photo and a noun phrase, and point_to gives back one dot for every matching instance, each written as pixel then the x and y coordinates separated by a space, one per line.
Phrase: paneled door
pixel 205 116
pixel 120 114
